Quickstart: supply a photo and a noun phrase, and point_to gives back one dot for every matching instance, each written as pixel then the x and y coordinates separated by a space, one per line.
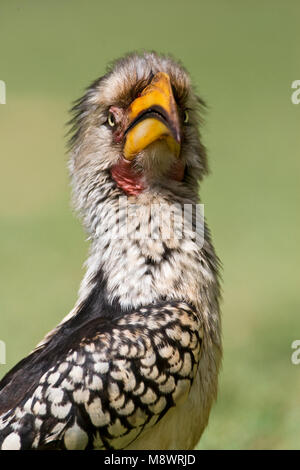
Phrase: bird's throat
pixel 127 178
pixel 133 182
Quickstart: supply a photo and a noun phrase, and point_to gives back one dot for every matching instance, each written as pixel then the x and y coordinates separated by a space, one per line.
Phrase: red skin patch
pixel 127 178
pixel 132 182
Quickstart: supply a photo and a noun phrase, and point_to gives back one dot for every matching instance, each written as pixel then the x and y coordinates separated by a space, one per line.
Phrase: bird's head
pixel 138 126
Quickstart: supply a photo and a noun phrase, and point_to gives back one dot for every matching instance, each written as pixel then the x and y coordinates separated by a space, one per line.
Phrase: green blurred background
pixel 243 57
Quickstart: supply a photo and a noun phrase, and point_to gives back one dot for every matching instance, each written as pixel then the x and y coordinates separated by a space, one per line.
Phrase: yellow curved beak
pixel 153 116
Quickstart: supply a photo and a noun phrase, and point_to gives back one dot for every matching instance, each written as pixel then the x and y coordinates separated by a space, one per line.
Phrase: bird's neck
pixel 126 270
pixel 139 252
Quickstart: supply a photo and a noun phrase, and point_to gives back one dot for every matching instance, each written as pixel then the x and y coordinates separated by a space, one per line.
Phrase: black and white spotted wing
pixel 106 385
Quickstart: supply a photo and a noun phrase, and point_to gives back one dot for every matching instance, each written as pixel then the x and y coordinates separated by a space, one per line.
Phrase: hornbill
pixel 135 364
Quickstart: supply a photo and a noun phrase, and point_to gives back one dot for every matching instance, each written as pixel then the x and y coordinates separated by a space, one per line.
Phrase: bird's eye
pixel 111 119
pixel 185 117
